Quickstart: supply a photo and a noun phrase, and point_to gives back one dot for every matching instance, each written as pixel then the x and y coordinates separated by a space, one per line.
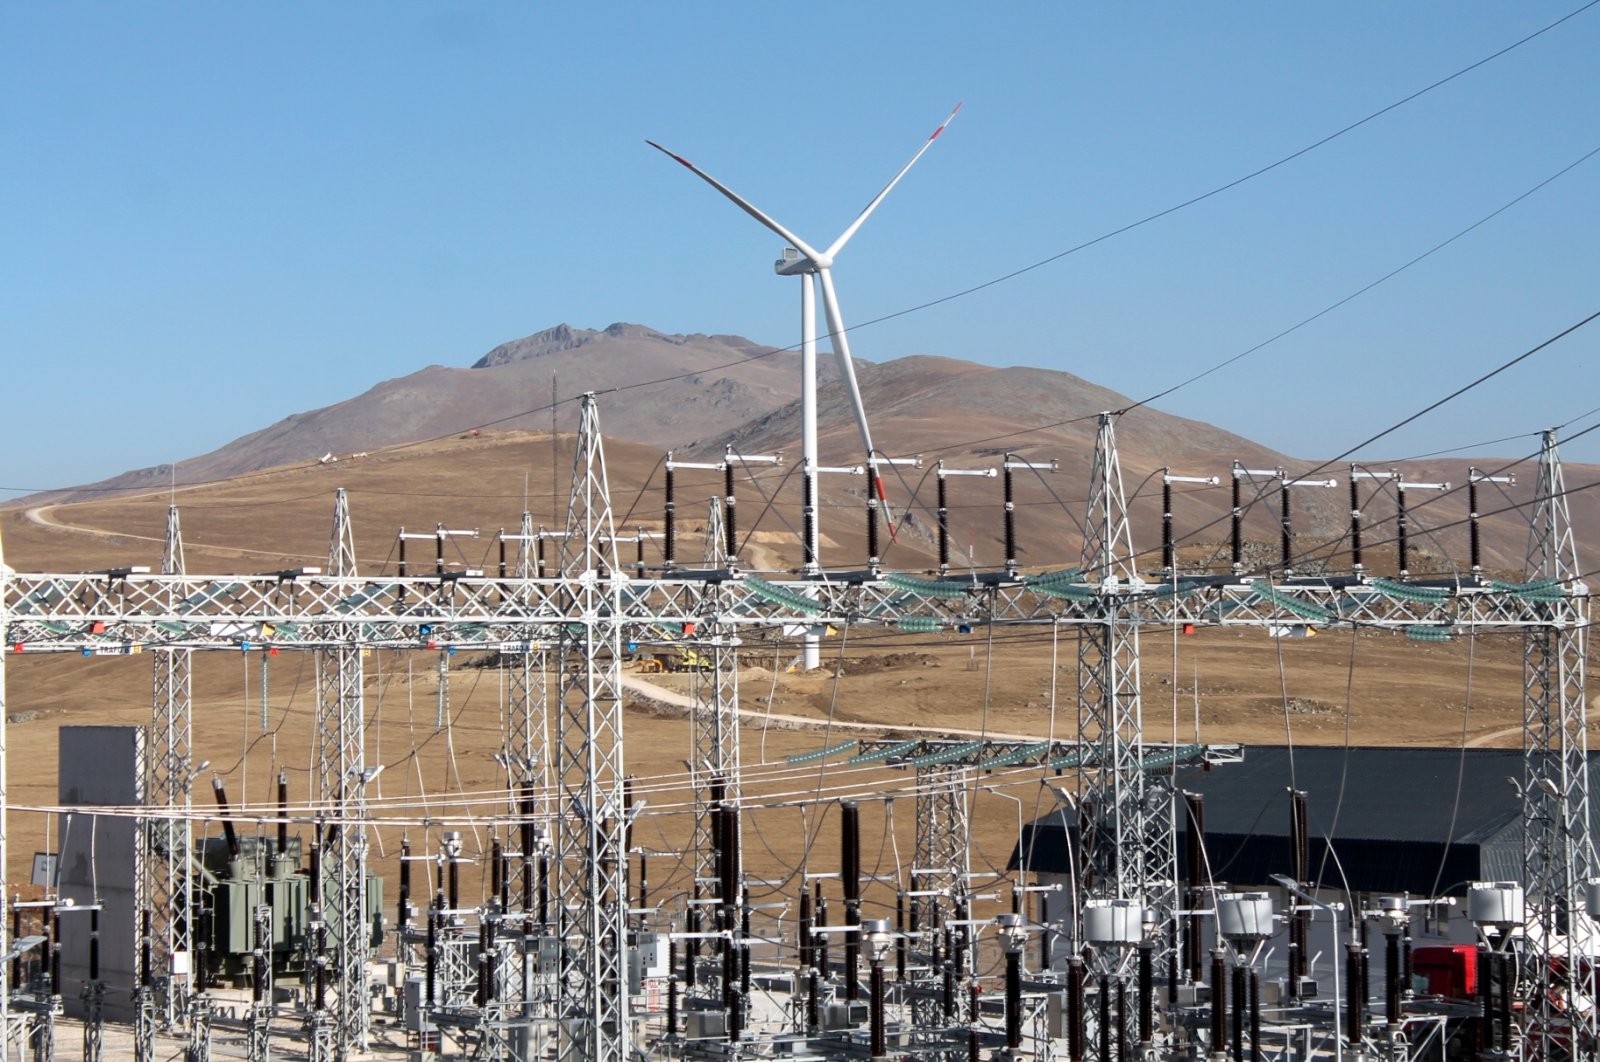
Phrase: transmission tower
pixel 1555 789
pixel 342 778
pixel 716 711
pixel 592 858
pixel 166 885
pixel 939 868
pixel 1126 823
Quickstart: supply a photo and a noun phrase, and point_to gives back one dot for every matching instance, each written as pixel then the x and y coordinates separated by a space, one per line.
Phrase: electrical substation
pixel 522 923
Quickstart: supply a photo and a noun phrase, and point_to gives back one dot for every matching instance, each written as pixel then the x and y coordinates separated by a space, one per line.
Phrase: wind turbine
pixel 804 261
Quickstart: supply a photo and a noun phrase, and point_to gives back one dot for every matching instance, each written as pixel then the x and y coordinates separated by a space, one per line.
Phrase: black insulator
pixel 821 911
pixel 735 1014
pixel 1169 553
pixel 1219 1002
pixel 1236 523
pixel 1286 529
pixel 283 813
pixel 539 557
pixel 494 867
pixel 544 888
pixel 672 988
pixel 55 954
pixel 808 513
pixel 1147 990
pixel 850 879
pixel 1391 978
pixel 505 880
pixel 872 531
pixel 483 963
pixel 1010 518
pixel 1503 975
pixel 1401 528
pixel 401 564
pixel 1239 1002
pixel 227 824
pixel 258 975
pixel 731 889
pixel 644 881
pixel 814 1002
pixel 972 1023
pixel 948 990
pixel 403 909
pixel 879 1045
pixel 669 522
pixel 804 928
pixel 314 875
pixel 1075 1024
pixel 1352 1005
pixel 729 517
pixel 1194 860
pixel 1013 999
pixel 1105 1018
pixel 16 934
pixel 902 943
pixel 1405 963
pixel 1474 550
pixel 1122 1022
pixel 1486 998
pixel 730 976
pixel 1355 522
pixel 502 565
pixel 146 946
pixel 1300 920
pixel 1255 1016
pixel 744 945
pixel 453 876
pixel 944 527
pixel 1044 931
pixel 432 956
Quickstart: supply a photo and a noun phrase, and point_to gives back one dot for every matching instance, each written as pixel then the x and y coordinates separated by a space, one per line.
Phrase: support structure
pixel 341 783
pixel 1555 789
pixel 1126 822
pixel 592 857
pixel 167 892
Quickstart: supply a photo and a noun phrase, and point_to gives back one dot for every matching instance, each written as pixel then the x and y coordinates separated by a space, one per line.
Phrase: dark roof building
pixel 1417 820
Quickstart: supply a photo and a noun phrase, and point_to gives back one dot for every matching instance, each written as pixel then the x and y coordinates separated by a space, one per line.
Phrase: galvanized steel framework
pixel 590 601
pixel 1558 856
pixel 592 867
pixel 166 888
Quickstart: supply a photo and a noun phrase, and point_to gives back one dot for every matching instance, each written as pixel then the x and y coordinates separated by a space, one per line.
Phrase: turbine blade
pixel 844 237
pixel 739 201
pixel 840 342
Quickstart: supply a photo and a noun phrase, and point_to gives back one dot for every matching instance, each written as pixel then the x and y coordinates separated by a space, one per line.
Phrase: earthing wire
pixel 827 736
pixel 1050 733
pixel 1288 727
pixel 1461 764
pixel 772 695
pixel 749 535
pixel 411 727
pixel 1014 273
pixel 1363 290
pixel 1344 763
pixel 1246 508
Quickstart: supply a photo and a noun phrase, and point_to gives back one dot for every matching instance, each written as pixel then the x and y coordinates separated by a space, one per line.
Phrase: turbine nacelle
pixel 795 264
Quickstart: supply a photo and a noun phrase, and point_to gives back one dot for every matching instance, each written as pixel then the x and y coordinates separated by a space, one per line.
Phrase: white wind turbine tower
pixel 804 261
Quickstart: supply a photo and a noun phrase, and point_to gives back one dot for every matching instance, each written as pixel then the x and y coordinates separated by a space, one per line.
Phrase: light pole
pixel 1333 910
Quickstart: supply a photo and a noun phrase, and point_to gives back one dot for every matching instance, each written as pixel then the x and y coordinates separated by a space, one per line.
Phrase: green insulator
pixel 917 624
pixel 928 587
pixel 1419 632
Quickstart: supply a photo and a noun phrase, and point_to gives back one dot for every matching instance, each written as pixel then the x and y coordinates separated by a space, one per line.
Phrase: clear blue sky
pixel 215 215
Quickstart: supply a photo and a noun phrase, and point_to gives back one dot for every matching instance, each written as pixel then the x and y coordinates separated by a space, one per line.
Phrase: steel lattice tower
pixel 592 863
pixel 168 836
pixel 939 866
pixel 341 790
pixel 1555 792
pixel 1128 848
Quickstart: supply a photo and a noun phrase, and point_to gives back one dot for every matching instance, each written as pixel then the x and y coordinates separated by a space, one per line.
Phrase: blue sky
pixel 218 215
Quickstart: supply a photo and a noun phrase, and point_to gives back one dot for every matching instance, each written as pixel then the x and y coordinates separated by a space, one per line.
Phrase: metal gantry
pixel 1559 858
pixel 592 859
pixel 586 608
pixel 167 888
pixel 341 782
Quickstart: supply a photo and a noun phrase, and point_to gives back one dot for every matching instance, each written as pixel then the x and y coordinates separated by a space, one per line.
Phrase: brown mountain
pixel 700 393
pixel 709 386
